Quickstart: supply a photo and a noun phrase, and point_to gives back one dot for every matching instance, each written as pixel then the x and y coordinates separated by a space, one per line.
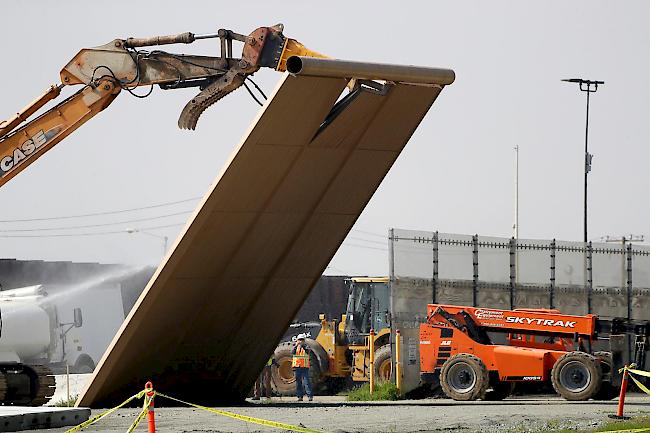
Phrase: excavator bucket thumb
pixel 221 87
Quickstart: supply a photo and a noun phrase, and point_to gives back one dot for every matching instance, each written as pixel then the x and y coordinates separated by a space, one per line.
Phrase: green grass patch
pixel 66 402
pixel 383 391
pixel 632 424
pixel 636 423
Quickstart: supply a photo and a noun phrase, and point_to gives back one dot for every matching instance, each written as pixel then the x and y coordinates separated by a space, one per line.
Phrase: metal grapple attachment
pixel 125 62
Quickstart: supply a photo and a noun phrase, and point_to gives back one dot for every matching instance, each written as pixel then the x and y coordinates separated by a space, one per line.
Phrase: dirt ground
pixel 335 415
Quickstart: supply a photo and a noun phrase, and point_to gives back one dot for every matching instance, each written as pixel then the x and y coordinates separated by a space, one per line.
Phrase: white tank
pixel 25 329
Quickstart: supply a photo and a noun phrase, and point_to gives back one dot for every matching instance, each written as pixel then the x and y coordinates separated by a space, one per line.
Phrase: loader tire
pixel 499 391
pixel 383 363
pixel 283 379
pixel 463 377
pixel 577 376
pixel 608 390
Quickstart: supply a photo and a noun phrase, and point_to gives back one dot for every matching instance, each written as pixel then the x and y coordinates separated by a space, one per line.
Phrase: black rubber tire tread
pixel 83 365
pixel 46 384
pixel 3 387
pixel 280 386
pixel 283 353
pixel 482 378
pixel 321 356
pixel 383 355
pixel 608 391
pixel 499 391
pixel 319 366
pixel 591 363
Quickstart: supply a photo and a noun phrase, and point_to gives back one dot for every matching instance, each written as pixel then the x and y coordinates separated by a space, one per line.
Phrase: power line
pixel 100 213
pixel 60 235
pixel 347 244
pixel 366 240
pixel 370 233
pixel 87 226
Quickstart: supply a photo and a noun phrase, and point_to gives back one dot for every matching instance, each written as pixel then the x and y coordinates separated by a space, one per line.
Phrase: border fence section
pixel 610 280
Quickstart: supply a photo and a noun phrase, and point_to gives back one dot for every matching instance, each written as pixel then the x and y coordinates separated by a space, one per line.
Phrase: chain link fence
pixel 610 280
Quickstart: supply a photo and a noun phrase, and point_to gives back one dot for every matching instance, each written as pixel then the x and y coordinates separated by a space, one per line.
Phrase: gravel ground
pixel 334 415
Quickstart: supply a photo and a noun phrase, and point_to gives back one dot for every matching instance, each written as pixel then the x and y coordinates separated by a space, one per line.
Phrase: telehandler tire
pixel 383 363
pixel 577 376
pixel 608 390
pixel 464 377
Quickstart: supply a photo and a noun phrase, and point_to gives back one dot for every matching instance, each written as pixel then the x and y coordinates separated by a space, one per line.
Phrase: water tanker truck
pixel 32 340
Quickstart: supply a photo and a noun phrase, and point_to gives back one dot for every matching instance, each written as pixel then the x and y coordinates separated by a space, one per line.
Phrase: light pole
pixel 587 86
pixel 164 238
pixel 516 224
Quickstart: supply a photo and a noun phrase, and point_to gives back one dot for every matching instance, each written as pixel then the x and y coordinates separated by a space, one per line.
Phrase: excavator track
pixel 45 384
pixel 3 387
pixel 25 385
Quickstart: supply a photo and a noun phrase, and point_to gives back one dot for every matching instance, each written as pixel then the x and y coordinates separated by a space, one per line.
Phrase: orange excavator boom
pixel 122 64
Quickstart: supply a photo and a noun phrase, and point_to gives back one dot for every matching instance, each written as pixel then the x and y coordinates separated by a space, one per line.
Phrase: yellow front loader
pixel 341 350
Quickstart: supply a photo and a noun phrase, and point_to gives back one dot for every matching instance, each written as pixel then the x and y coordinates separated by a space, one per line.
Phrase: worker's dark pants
pixel 303 383
pixel 263 383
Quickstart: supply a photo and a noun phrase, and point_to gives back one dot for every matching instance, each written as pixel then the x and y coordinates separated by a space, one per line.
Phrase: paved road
pixel 333 414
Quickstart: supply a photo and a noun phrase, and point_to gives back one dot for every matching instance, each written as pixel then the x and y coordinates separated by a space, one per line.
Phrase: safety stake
pixel 371 373
pixel 621 396
pixel 151 414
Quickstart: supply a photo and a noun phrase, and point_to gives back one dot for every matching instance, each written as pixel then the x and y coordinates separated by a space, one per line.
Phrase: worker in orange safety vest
pixel 301 363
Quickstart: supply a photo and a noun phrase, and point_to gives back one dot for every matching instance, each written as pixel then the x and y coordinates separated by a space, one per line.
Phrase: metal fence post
pixel 629 281
pixel 434 279
pixel 475 267
pixel 371 352
pixel 513 271
pixel 629 298
pixel 590 285
pixel 391 254
pixel 552 292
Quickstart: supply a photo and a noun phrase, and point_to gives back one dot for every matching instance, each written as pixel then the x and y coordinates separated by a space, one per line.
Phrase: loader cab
pixel 368 307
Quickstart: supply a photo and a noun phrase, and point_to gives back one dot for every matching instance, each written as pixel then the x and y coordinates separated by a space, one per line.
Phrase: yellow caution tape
pixel 631 370
pixel 145 409
pixel 639 372
pixel 142 414
pixel 94 419
pixel 250 419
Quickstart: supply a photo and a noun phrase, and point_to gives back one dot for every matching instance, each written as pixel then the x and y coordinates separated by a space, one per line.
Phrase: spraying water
pixel 114 275
pixel 12 302
pixel 35 320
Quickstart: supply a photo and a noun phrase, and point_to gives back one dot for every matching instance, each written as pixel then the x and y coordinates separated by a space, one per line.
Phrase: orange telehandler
pixel 480 353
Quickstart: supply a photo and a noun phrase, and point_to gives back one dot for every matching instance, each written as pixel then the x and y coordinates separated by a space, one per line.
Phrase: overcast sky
pixel 455 175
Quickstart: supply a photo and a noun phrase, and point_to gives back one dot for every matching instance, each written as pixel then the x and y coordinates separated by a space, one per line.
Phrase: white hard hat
pixel 301 337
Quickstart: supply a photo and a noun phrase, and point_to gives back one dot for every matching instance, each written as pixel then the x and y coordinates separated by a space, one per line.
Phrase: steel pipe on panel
pixel 311 66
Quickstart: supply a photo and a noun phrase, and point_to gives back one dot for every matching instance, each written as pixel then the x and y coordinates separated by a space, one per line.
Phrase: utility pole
pixel 587 86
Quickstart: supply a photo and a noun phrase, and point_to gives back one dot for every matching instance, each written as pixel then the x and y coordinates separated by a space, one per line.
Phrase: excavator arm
pixel 122 64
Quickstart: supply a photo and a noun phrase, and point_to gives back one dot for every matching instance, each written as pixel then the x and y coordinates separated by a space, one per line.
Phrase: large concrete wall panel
pixel 213 312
